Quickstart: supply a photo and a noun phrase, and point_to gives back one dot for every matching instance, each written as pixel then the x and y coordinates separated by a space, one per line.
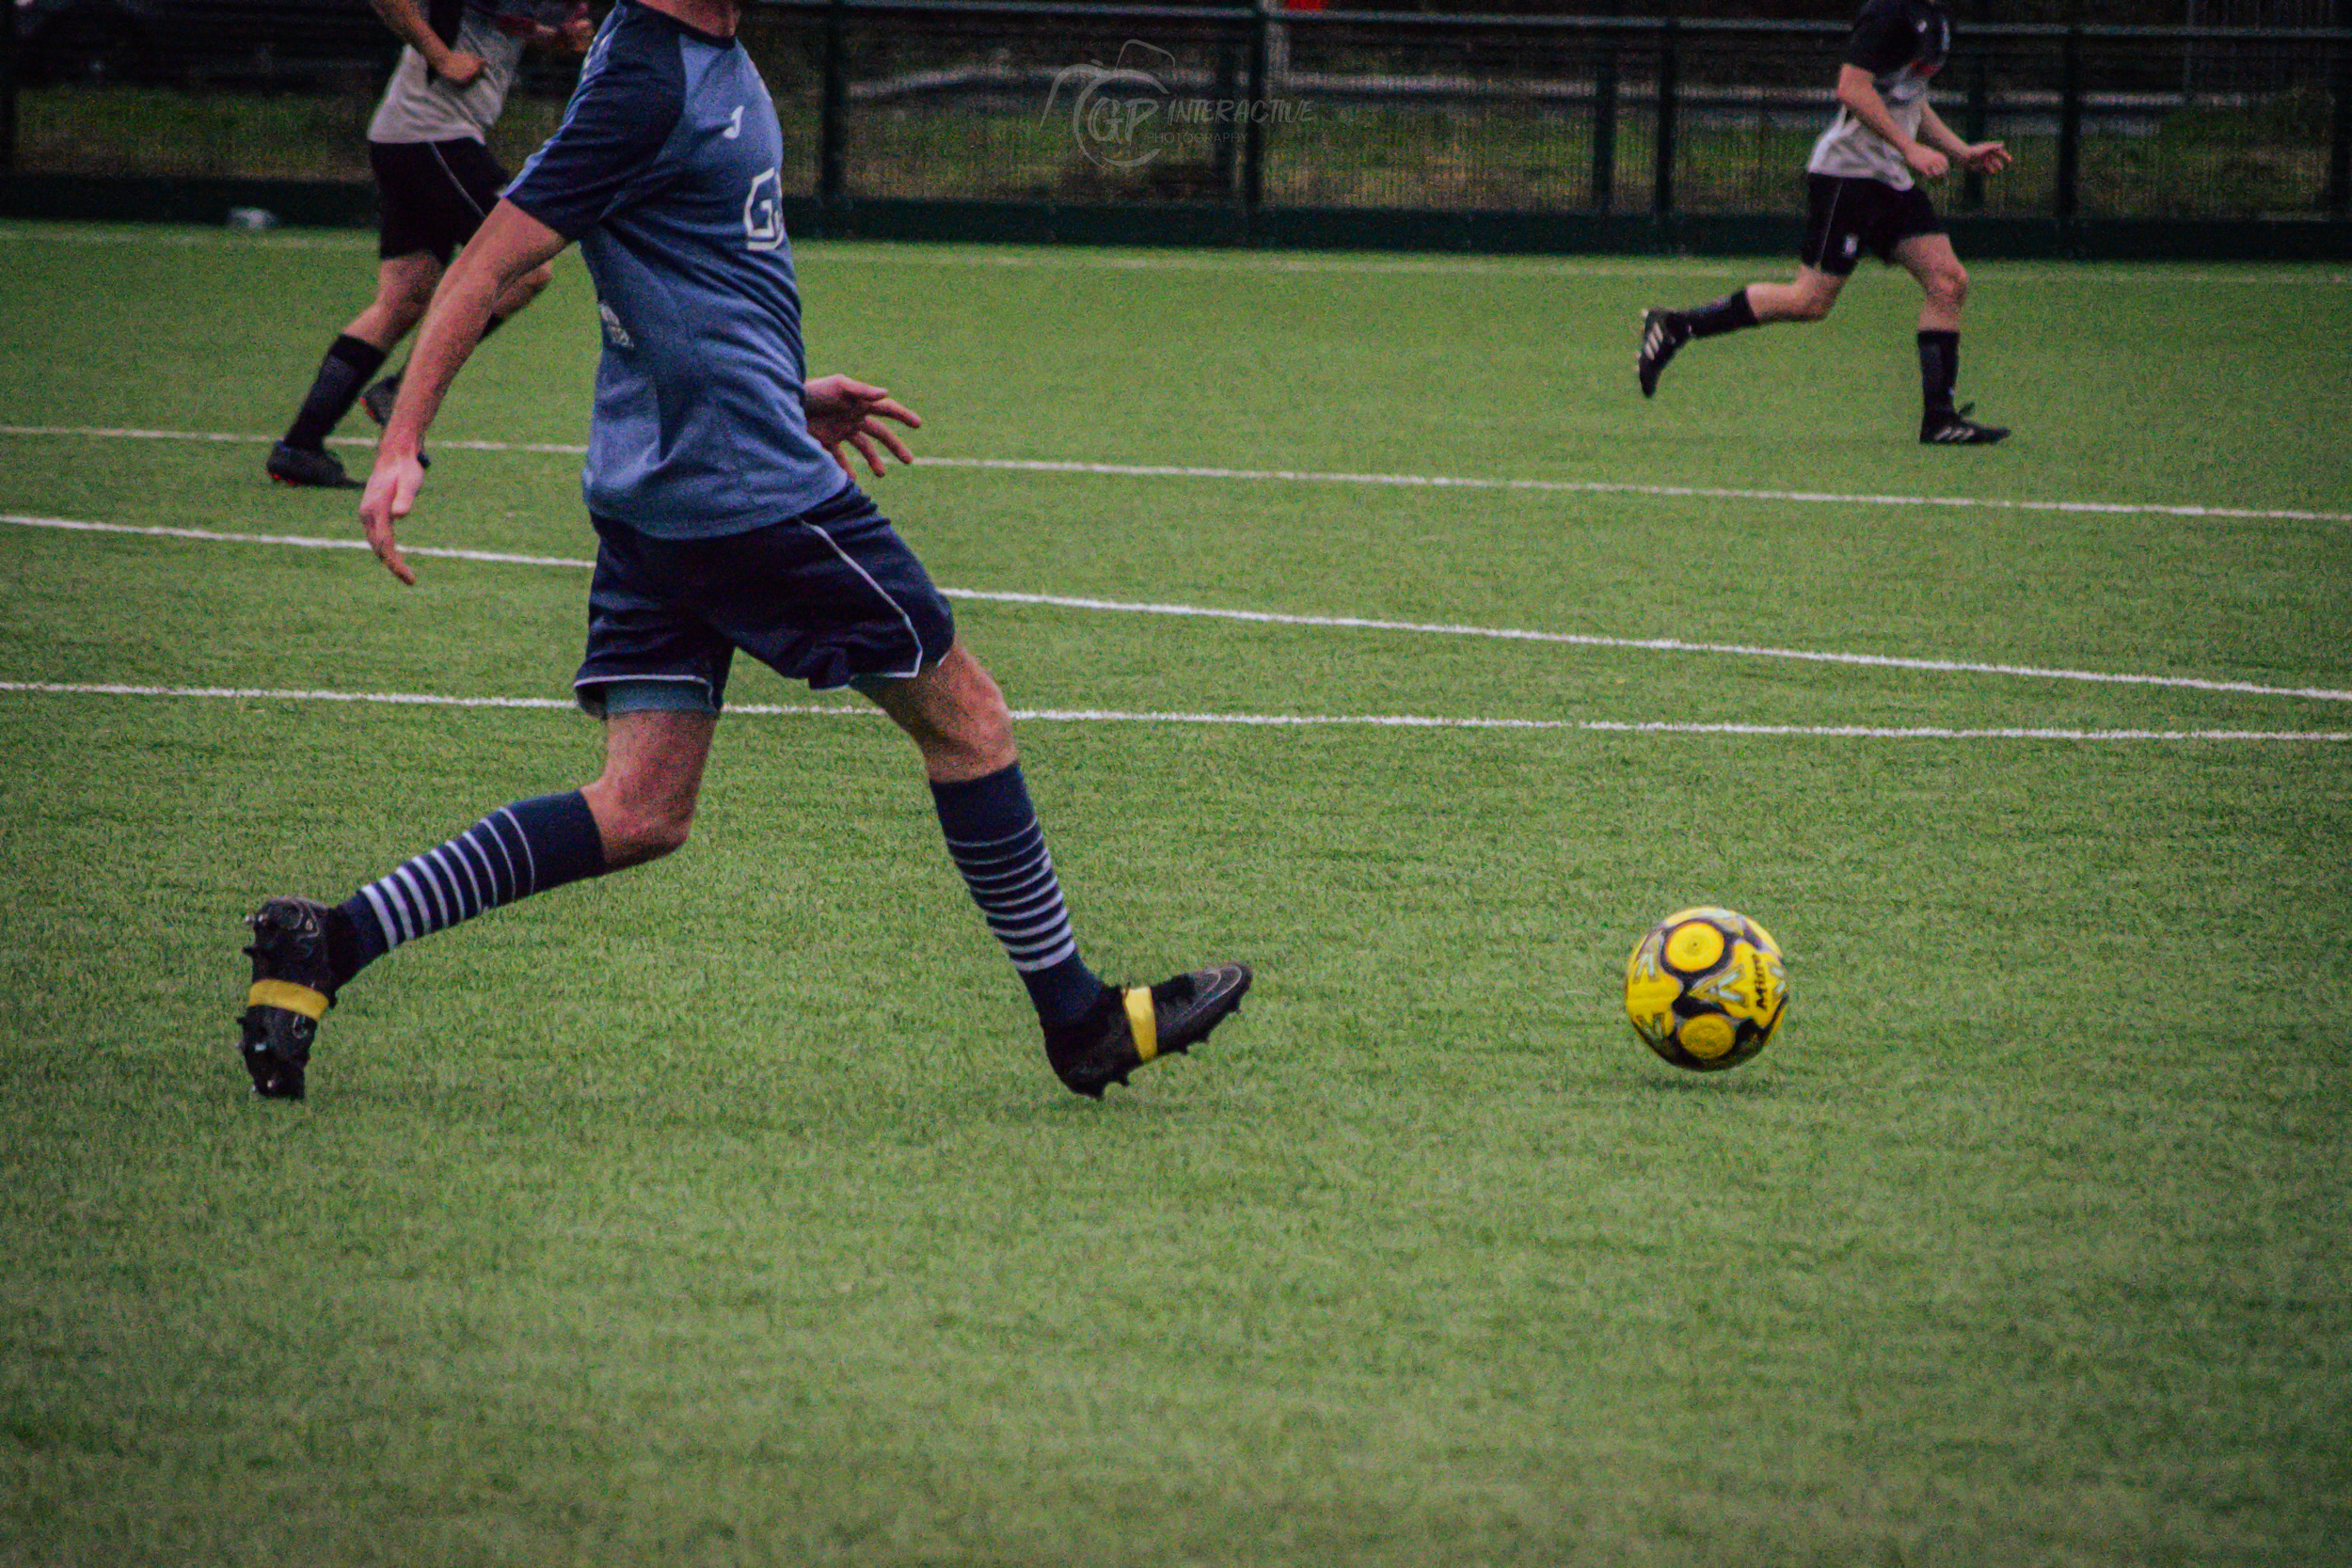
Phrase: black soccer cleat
pixel 1134 1025
pixel 1662 335
pixel 378 399
pixel 308 469
pixel 293 985
pixel 1952 427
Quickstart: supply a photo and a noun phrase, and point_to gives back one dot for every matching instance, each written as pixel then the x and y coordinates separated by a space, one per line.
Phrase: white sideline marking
pixel 1083 258
pixel 1605 487
pixel 73 525
pixel 1421 482
pixel 1276 618
pixel 1283 721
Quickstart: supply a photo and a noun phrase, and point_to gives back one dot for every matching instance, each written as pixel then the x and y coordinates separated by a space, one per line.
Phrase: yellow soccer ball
pixel 1705 989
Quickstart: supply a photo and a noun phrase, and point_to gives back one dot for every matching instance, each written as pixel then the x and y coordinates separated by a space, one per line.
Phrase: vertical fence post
pixel 1979 118
pixel 1605 123
pixel 2340 142
pixel 1661 200
pixel 8 87
pixel 1225 140
pixel 832 156
pixel 1253 129
pixel 2069 135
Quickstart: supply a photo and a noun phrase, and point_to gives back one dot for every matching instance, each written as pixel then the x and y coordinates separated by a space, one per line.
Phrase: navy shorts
pixel 830 597
pixel 1846 216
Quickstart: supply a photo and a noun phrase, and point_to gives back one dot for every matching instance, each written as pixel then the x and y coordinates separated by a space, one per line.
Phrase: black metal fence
pixel 983 117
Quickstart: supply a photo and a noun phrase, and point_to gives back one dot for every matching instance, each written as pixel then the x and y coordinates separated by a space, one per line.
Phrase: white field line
pixel 1421 481
pixel 295 541
pixel 1277 721
pixel 1276 618
pixel 1605 487
pixel 820 252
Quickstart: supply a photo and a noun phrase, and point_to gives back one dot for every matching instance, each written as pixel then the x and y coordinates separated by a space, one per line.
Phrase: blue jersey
pixel 666 169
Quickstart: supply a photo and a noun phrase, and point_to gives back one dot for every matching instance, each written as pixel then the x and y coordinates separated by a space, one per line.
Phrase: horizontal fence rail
pixel 1237 125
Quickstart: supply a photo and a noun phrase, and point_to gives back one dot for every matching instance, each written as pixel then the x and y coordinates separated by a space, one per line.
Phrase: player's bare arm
pixel 406 20
pixel 510 245
pixel 1986 157
pixel 1859 94
pixel 840 410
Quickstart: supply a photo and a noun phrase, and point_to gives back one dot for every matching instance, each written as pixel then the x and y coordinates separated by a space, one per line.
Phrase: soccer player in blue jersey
pixel 726 517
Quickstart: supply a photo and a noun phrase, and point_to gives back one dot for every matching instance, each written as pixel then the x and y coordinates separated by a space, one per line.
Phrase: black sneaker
pixel 1954 428
pixel 293 985
pixel 319 469
pixel 378 399
pixel 1663 334
pixel 1132 1026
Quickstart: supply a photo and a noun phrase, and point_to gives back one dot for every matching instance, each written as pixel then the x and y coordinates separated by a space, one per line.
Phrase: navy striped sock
pixel 994 834
pixel 516 850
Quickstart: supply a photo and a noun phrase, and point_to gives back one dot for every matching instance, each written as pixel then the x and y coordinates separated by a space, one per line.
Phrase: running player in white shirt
pixel 1862 197
pixel 435 180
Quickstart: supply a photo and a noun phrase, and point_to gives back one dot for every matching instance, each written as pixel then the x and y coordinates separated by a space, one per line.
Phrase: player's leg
pixel 1808 297
pixel 1826 261
pixel 956 715
pixel 657 679
pixel 1943 282
pixel 403 287
pixel 1095 1035
pixel 467 182
pixel 303 952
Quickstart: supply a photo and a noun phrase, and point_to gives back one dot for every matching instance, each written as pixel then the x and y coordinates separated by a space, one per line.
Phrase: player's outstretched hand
pixel 391 492
pixel 842 410
pixel 1930 163
pixel 1986 157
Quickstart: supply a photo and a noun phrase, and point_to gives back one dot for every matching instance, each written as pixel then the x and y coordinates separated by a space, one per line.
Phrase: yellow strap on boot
pixel 1145 1023
pixel 285 993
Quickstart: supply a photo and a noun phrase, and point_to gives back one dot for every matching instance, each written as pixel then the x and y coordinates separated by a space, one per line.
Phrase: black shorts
pixel 434 194
pixel 1846 216
pixel 830 596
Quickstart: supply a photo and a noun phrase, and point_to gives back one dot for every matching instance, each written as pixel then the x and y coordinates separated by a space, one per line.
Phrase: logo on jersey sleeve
pixel 614 333
pixel 735 125
pixel 763 215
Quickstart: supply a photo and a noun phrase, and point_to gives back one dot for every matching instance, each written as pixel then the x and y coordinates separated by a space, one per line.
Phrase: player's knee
pixel 973 728
pixel 978 736
pixel 639 831
pixel 1949 286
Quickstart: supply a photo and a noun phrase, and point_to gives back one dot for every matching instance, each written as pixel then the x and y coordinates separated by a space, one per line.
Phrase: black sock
pixel 342 376
pixel 1939 370
pixel 1727 314
pixel 993 836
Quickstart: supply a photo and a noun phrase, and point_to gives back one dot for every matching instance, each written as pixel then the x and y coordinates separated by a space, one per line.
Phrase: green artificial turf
pixel 725 1212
